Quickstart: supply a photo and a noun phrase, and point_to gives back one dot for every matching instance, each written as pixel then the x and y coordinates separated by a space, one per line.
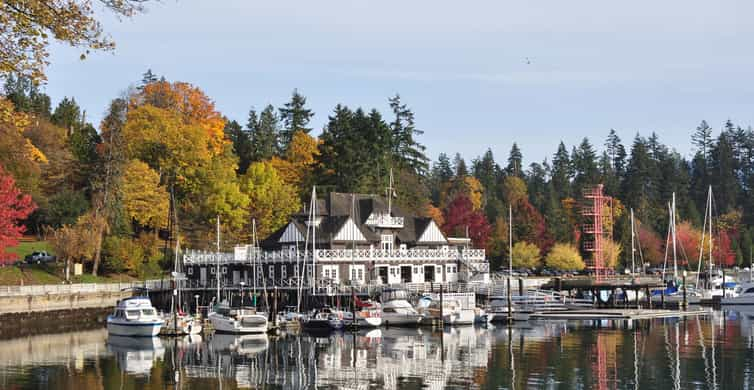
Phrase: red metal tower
pixel 598 208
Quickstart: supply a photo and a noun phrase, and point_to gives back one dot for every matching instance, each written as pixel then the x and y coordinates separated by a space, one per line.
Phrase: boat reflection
pixel 136 355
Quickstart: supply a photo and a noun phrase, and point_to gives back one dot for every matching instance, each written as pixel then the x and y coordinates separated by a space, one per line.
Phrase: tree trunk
pixel 97 250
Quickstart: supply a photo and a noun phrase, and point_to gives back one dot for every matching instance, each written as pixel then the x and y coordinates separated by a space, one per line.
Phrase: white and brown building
pixel 360 240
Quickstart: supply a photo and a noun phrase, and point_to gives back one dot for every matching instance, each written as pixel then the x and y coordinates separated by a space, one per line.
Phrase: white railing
pixel 470 256
pixel 83 288
pixel 385 220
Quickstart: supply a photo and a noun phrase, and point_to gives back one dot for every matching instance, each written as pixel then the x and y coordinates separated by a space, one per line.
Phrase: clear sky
pixel 478 74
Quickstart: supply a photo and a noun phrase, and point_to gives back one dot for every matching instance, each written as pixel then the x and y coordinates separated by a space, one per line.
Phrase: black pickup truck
pixel 39 258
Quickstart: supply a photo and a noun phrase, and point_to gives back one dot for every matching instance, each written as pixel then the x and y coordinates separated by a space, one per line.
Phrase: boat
pixel 744 296
pixel 457 308
pixel 134 317
pixel 240 320
pixel 178 322
pixel 368 315
pixel 322 320
pixel 396 309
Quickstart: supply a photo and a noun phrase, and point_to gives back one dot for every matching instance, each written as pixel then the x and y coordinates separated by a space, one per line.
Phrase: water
pixel 711 352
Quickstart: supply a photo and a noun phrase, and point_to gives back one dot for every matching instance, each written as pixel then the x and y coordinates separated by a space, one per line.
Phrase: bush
pixel 122 254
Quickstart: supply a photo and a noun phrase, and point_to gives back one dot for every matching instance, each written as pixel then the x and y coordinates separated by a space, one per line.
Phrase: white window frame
pixel 283 271
pixel 190 271
pixel 223 270
pixel 386 242
pixel 271 272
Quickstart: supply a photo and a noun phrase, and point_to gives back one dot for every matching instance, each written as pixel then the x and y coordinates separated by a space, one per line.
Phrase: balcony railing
pixel 473 256
pixel 385 221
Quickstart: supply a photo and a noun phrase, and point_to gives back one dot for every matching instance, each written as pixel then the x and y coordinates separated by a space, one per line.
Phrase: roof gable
pixel 349 232
pixel 431 234
pixel 291 234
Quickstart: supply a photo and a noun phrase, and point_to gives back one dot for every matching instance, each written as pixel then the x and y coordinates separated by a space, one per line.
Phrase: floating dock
pixel 617 314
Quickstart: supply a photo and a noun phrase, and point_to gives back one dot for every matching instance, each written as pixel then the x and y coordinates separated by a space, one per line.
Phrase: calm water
pixel 697 353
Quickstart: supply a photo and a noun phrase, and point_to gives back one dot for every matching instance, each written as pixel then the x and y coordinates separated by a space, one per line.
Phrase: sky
pixel 477 74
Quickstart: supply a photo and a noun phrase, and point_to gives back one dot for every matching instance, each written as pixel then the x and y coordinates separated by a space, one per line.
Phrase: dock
pixel 617 314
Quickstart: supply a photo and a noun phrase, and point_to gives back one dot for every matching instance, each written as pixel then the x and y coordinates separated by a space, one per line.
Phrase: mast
pixel 390 191
pixel 633 246
pixel 314 240
pixel 510 241
pixel 709 203
pixel 217 257
pixel 672 226
pixel 254 258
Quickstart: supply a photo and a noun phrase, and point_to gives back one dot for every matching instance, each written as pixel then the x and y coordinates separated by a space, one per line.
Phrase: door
pixel 203 275
pixel 429 273
pixel 406 274
pixel 382 273
pixel 236 277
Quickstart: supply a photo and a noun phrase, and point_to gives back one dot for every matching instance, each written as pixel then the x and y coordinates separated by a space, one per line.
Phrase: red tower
pixel 598 209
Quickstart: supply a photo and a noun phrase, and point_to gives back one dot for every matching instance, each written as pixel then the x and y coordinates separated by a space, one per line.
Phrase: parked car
pixel 39 258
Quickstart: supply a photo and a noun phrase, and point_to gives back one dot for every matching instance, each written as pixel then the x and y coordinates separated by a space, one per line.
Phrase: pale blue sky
pixel 594 65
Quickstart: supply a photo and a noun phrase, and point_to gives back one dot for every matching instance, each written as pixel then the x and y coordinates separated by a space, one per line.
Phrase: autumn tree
pixel 297 168
pixel 460 217
pixel 526 255
pixel 271 200
pixel 564 257
pixel 144 198
pixel 611 251
pixel 14 208
pixel 295 117
pixel 27 27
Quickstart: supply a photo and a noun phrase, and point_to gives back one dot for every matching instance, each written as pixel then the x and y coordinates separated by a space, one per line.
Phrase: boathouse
pixel 360 239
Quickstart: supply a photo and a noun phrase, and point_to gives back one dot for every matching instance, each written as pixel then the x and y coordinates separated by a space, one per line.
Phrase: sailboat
pixel 673 293
pixel 226 319
pixel 717 286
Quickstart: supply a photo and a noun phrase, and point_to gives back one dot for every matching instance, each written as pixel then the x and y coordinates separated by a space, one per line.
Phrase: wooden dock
pixel 617 314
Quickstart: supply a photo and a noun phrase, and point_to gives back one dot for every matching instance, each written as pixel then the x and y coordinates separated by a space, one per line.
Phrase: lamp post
pixel 196 298
pixel 241 288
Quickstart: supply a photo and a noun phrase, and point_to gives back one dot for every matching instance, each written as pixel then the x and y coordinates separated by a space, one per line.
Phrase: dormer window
pixel 386 242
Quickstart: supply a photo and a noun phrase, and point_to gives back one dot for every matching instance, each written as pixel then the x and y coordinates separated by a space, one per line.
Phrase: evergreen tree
pixel 147 78
pixel 702 139
pixel 443 168
pixel 241 141
pixel 485 170
pixel 584 160
pixel 26 96
pixel 637 183
pixel 406 149
pixel 561 173
pixel 263 134
pixel 67 115
pixel 460 166
pixel 515 159
pixel 295 117
pixel 723 178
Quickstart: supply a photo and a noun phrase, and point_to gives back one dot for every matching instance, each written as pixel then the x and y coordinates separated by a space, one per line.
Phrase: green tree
pixel 263 133
pixel 407 151
pixel 515 161
pixel 271 201
pixel 562 172
pixel 295 117
pixel 241 144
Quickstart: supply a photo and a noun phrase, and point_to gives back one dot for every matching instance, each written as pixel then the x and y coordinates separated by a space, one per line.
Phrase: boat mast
pixel 217 257
pixel 314 240
pixel 390 191
pixel 254 258
pixel 510 241
pixel 633 246
pixel 709 205
pixel 672 222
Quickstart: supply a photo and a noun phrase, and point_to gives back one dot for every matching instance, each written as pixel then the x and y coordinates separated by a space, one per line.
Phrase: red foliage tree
pixel 460 215
pixel 529 225
pixel 14 207
pixel 722 250
pixel 651 246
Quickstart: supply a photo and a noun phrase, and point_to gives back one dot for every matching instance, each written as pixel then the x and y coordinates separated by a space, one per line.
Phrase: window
pixel 212 270
pixel 224 270
pixel 386 242
pixel 295 271
pixel 309 271
pixel 749 290
pixel 132 313
pixel 272 272
pixel 438 270
pixel 353 273
pixel 284 271
pixel 190 271
pixel 361 273
pixel 147 312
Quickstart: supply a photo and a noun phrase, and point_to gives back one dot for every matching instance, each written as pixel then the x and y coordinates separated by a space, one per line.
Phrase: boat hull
pixel 246 325
pixel 134 329
pixel 394 319
pixel 743 300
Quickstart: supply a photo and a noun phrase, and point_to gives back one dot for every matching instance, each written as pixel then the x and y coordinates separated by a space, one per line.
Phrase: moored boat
pixel 225 319
pixel 136 317
pixel 396 309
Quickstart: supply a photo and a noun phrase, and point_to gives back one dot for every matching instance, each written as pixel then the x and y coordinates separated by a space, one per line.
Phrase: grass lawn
pixel 27 247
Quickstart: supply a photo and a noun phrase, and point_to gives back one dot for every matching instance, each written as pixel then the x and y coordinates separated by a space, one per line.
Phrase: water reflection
pixel 711 352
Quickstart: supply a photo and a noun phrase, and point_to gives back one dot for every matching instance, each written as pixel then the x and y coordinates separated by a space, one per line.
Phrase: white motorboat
pixel 225 319
pixel 366 317
pixel 744 295
pixel 135 317
pixel 397 311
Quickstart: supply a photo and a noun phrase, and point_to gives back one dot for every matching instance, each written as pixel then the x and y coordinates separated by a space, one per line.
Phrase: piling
pixel 685 300
pixel 520 287
pixel 442 307
pixel 510 301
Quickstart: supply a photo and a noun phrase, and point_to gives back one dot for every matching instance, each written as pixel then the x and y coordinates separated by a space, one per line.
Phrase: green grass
pixel 29 274
pixel 27 247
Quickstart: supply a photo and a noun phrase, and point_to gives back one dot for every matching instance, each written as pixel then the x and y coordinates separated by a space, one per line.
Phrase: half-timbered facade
pixel 358 239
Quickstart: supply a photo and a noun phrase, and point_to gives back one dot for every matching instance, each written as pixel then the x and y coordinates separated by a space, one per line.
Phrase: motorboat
pixel 323 320
pixel 396 309
pixel 225 319
pixel 289 318
pixel 136 317
pixel 368 315
pixel 744 295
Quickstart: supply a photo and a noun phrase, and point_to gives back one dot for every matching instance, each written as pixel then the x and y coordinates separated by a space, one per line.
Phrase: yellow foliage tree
pixel 300 158
pixel 144 199
pixel 565 257
pixel 514 189
pixel 271 200
pixel 191 104
pixel 435 213
pixel 612 251
pixel 526 255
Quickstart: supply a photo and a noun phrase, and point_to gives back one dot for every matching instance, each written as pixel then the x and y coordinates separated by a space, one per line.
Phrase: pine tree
pixel 147 78
pixel 406 149
pixel 295 117
pixel 702 139
pixel 460 166
pixel 263 134
pixel 584 160
pixel 241 141
pixel 67 115
pixel 562 172
pixel 723 177
pixel 485 170
pixel 515 159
